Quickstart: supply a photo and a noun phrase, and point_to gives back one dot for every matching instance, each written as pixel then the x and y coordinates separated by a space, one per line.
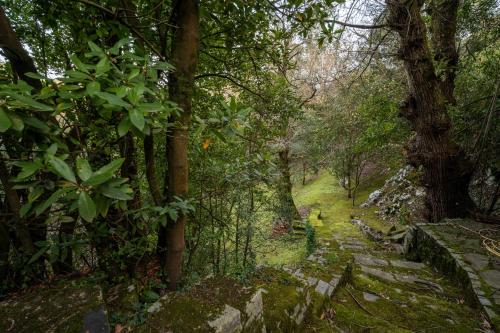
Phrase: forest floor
pixel 382 292
pixel 386 292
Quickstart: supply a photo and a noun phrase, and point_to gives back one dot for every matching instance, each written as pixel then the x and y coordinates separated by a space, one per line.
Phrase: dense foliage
pixel 103 105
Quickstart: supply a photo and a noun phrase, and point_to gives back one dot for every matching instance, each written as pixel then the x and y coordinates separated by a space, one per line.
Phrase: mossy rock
pixel 190 311
pixel 287 303
pixel 64 308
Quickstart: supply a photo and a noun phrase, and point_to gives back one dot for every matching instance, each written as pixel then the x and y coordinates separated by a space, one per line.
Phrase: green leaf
pixel 95 48
pixel 5 121
pixel 17 122
pixel 102 205
pixel 52 149
pixel 38 254
pixel 151 107
pixel 135 94
pixel 78 75
pixel 117 193
pixel 31 102
pixel 35 194
pixel 25 209
pixel 52 199
pixel 93 88
pixel 37 123
pixel 116 48
pixel 137 118
pixel 113 99
pixel 102 66
pixel 105 173
pixel 35 76
pixel 83 169
pixel 78 64
pixel 27 168
pixel 124 126
pixel 150 296
pixel 133 73
pixel 62 168
pixel 86 207
pixel 172 213
pixel 165 66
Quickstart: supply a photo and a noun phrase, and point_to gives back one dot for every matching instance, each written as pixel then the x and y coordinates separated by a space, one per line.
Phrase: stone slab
pixel 352 247
pixel 311 281
pixel 477 261
pixel 229 321
pixel 254 310
pixel 369 297
pixel 324 289
pixel 407 264
pixel 378 273
pixel 491 277
pixel 496 297
pixel 96 321
pixel 367 260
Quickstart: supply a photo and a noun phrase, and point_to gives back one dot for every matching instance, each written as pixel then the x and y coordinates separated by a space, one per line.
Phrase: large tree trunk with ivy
pixel 184 57
pixel 446 173
pixel 287 208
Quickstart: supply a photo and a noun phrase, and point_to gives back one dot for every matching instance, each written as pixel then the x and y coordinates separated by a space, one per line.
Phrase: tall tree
pixel 446 174
pixel 184 57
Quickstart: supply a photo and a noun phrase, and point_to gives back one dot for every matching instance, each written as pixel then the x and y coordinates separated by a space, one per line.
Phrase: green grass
pixel 324 194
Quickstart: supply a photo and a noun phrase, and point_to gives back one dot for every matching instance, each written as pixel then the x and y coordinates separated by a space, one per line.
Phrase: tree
pixel 446 173
pixel 184 57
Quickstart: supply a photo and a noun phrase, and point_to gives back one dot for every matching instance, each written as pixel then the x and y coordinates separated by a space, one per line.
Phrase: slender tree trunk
pixel 445 171
pixel 304 168
pixel 129 168
pixel 349 187
pixel 5 243
pixel 184 57
pixel 14 203
pixel 288 210
pixel 149 161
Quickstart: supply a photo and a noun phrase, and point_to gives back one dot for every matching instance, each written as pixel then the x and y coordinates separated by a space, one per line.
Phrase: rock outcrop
pixel 400 197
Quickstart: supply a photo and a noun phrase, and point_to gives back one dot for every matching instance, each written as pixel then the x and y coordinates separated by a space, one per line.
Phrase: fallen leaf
pixel 206 143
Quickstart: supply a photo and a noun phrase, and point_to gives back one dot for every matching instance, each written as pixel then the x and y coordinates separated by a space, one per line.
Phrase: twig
pixel 358 303
pixel 122 21
pixel 358 26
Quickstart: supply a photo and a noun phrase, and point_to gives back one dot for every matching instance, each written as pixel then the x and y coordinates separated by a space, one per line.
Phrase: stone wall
pixel 423 244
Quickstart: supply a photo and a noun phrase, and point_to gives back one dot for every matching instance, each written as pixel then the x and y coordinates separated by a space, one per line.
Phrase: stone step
pixel 64 308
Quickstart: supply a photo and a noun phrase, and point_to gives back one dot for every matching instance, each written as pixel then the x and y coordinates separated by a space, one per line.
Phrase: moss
pixel 283 294
pixel 393 312
pixel 191 310
pixel 59 308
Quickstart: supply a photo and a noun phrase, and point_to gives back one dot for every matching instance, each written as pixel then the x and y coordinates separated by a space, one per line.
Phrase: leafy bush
pixel 311 243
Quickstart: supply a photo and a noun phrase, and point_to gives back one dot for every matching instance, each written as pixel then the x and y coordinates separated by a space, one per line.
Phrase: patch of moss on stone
pixel 191 310
pixel 60 308
pixel 285 300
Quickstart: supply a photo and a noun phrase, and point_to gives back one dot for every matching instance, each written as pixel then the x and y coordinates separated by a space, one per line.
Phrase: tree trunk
pixel 184 57
pixel 149 161
pixel 304 167
pixel 445 172
pixel 129 168
pixel 20 60
pixel 4 248
pixel 287 208
pixel 443 32
pixel 14 204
